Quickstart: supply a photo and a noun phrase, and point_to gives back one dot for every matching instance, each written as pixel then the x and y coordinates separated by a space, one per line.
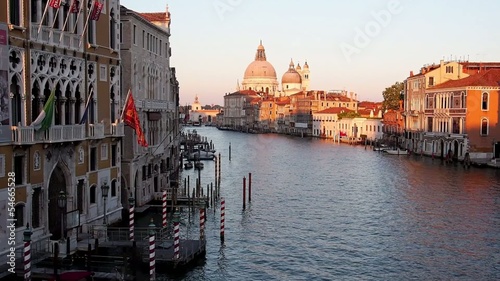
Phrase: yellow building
pixel 54 49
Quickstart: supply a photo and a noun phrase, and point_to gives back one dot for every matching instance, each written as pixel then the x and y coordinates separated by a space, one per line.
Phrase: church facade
pixel 260 76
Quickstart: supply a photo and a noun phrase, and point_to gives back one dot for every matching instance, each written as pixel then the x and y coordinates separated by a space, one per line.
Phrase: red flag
pixel 96 12
pixel 131 118
pixel 75 6
pixel 55 4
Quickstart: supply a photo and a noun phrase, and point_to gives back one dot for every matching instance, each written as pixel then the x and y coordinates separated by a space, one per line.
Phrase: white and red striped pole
pixel 131 210
pixel 164 209
pixel 176 236
pixel 222 218
pixel 202 224
pixel 27 253
pixel 152 256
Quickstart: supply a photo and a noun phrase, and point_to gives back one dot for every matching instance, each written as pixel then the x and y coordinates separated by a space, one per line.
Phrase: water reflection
pixel 324 211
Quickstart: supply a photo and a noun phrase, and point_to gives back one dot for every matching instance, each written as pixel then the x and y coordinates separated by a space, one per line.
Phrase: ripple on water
pixel 323 211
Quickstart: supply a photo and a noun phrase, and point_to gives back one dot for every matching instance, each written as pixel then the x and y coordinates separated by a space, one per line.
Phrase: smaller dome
pixel 291 76
pixel 298 67
pixel 306 65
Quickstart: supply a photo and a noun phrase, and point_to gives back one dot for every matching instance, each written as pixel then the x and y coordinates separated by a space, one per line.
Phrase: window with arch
pixel 19 214
pixel 113 188
pixel 484 101
pixel 16 101
pixel 15 12
pixel 484 127
pixel 92 195
pixel 112 30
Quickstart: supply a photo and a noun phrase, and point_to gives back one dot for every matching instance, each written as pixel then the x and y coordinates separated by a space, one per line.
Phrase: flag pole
pixel 87 22
pixel 54 21
pixel 125 103
pixel 66 21
pixel 43 17
pixel 78 16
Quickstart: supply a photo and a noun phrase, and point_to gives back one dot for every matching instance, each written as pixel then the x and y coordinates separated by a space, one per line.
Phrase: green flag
pixel 44 120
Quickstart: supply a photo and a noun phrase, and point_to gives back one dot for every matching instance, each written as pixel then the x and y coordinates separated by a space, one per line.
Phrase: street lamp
pixel 61 203
pixel 105 190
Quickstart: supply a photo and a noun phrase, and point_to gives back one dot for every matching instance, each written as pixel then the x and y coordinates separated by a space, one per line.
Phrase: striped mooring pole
pixel 27 253
pixel 202 224
pixel 131 209
pixel 164 209
pixel 152 256
pixel 176 235
pixel 222 218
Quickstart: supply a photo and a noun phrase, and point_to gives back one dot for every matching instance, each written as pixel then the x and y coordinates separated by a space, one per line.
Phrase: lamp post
pixel 105 190
pixel 61 203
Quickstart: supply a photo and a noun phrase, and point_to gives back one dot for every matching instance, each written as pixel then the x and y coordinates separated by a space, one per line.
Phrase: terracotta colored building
pixel 463 116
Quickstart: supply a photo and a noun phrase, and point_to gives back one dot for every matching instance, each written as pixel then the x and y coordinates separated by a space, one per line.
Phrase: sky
pixel 358 45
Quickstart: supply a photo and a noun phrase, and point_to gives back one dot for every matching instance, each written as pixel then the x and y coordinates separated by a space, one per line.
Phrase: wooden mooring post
pixel 229 151
pixel 249 187
pixel 244 192
pixel 219 177
pixel 222 218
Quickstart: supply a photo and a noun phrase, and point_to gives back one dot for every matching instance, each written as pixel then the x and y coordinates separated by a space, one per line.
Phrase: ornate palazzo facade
pixel 80 152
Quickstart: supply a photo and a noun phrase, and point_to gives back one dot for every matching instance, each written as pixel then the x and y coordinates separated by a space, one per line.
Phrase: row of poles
pixel 152 234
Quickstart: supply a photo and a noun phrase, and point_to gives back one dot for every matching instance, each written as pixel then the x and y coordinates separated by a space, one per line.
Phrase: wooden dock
pixel 190 252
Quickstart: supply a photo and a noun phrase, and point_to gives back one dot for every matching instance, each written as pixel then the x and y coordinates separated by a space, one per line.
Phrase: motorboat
pixel 201 155
pixel 397 151
pixel 188 165
pixel 198 165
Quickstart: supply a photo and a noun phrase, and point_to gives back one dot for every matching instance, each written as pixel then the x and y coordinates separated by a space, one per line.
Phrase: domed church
pixel 260 76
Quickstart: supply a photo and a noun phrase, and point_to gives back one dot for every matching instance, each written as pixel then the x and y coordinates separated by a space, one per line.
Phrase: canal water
pixel 325 211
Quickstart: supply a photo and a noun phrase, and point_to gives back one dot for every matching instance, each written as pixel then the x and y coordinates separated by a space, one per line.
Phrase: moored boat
pixel 397 151
pixel 188 165
pixel 198 165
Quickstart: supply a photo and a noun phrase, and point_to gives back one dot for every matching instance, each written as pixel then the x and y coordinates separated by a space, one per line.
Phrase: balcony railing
pixel 117 129
pixel 23 135
pixel 155 104
pixel 52 37
pixel 61 133
pixel 96 131
pixel 156 149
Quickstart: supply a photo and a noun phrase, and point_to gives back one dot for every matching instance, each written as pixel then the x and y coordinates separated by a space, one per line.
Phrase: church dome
pixel 291 76
pixel 260 67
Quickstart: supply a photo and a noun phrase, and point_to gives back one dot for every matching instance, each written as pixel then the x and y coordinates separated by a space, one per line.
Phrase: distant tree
pixel 348 114
pixel 392 95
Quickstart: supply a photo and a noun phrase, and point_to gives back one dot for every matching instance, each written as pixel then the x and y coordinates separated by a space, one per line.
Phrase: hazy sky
pixel 357 45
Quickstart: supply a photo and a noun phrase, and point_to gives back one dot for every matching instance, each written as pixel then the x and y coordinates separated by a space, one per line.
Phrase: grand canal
pixel 325 211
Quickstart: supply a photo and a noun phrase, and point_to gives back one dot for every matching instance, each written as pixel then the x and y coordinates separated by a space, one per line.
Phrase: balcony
pixel 52 37
pixel 23 135
pixel 156 150
pixel 55 134
pixel 96 131
pixel 117 129
pixel 151 104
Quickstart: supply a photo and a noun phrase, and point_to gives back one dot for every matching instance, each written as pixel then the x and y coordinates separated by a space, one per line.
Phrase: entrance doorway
pixel 57 183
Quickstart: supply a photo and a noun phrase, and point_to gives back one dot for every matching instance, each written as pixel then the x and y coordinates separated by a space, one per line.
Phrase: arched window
pixel 78 104
pixel 113 188
pixel 68 106
pixel 92 195
pixel 484 127
pixel 484 101
pixel 112 30
pixel 113 104
pixel 16 101
pixel 19 214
